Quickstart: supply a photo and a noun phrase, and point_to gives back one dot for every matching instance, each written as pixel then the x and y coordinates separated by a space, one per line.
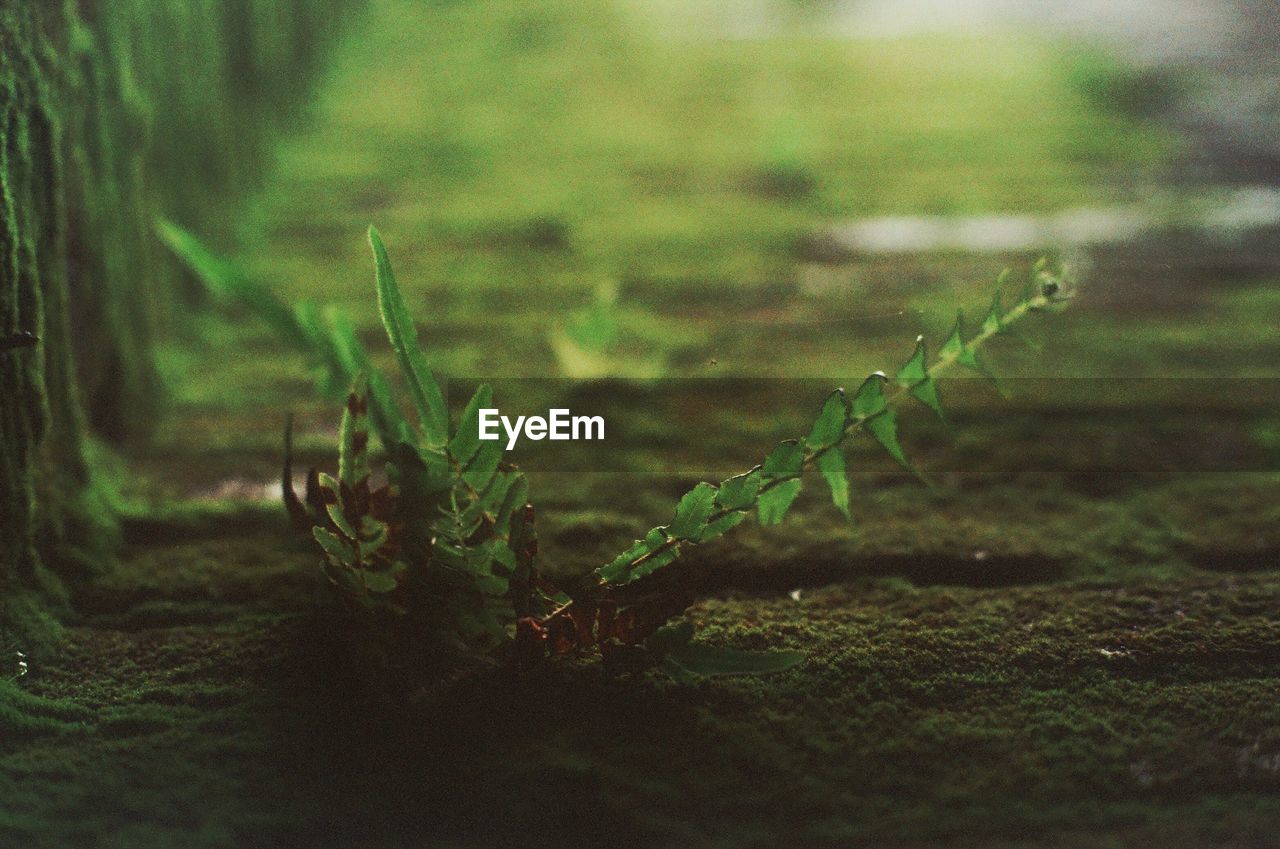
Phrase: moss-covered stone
pixel 201 703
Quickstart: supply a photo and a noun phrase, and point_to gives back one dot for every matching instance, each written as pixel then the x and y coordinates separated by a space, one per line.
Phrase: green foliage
pixel 832 466
pixel 450 536
pixel 686 661
pixel 423 389
pixel 326 336
pixel 772 487
pixel 915 378
pixel 449 543
pixel 226 282
pixel 606 339
pixel 356 538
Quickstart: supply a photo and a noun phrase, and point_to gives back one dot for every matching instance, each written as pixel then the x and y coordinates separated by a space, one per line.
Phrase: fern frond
pixel 771 488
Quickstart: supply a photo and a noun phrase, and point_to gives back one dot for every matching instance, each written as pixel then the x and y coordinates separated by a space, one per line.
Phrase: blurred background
pixel 711 190
pixel 695 219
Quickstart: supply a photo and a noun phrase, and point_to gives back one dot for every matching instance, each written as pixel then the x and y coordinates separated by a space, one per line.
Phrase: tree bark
pixel 114 113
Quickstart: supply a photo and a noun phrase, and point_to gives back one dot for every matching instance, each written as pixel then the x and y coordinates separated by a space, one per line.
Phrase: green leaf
pixel 786 460
pixel 338 550
pixel 226 280
pixel 884 428
pixel 478 560
pixel 388 420
pixel 719 526
pixel 483 465
pixel 913 370
pixel 403 334
pixel 955 350
pixel 479 459
pixel 831 464
pixel 516 497
pixel 664 557
pixel 927 393
pixel 692 513
pixel 991 324
pixel 215 272
pixel 466 440
pixel 379 580
pixel 328 336
pixel 707 660
pixel 502 559
pixel 832 420
pixel 368 546
pixel 619 569
pixel 914 376
pixel 869 399
pixel 450 556
pixel 346 578
pixel 339 518
pixel 782 470
pixel 353 435
pixel 490 500
pixel 335 369
pixel 774 502
pixel 739 492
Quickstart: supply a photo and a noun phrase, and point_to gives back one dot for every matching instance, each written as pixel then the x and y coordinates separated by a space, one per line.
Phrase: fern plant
pixel 448 546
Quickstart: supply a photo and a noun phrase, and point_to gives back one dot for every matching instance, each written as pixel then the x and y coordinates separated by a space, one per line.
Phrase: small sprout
pixel 457 513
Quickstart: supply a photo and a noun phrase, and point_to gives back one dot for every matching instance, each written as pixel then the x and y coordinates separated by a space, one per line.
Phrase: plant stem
pixel 939 366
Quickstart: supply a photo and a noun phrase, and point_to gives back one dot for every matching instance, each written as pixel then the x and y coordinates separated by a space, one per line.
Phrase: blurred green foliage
pixel 109 114
pixel 526 150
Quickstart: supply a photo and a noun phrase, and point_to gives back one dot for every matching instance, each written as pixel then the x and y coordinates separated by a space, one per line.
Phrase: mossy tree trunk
pixel 114 113
pixel 42 466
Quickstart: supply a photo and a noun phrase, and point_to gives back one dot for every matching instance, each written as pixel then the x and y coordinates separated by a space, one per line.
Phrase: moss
pixel 23 715
pixel 100 133
pixel 1066 714
pixel 656 163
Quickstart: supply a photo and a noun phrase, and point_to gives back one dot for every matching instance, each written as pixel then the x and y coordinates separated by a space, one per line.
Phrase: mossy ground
pixel 1071 639
pixel 208 708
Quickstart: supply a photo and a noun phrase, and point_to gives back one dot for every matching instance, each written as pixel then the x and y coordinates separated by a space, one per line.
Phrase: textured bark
pixel 114 113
